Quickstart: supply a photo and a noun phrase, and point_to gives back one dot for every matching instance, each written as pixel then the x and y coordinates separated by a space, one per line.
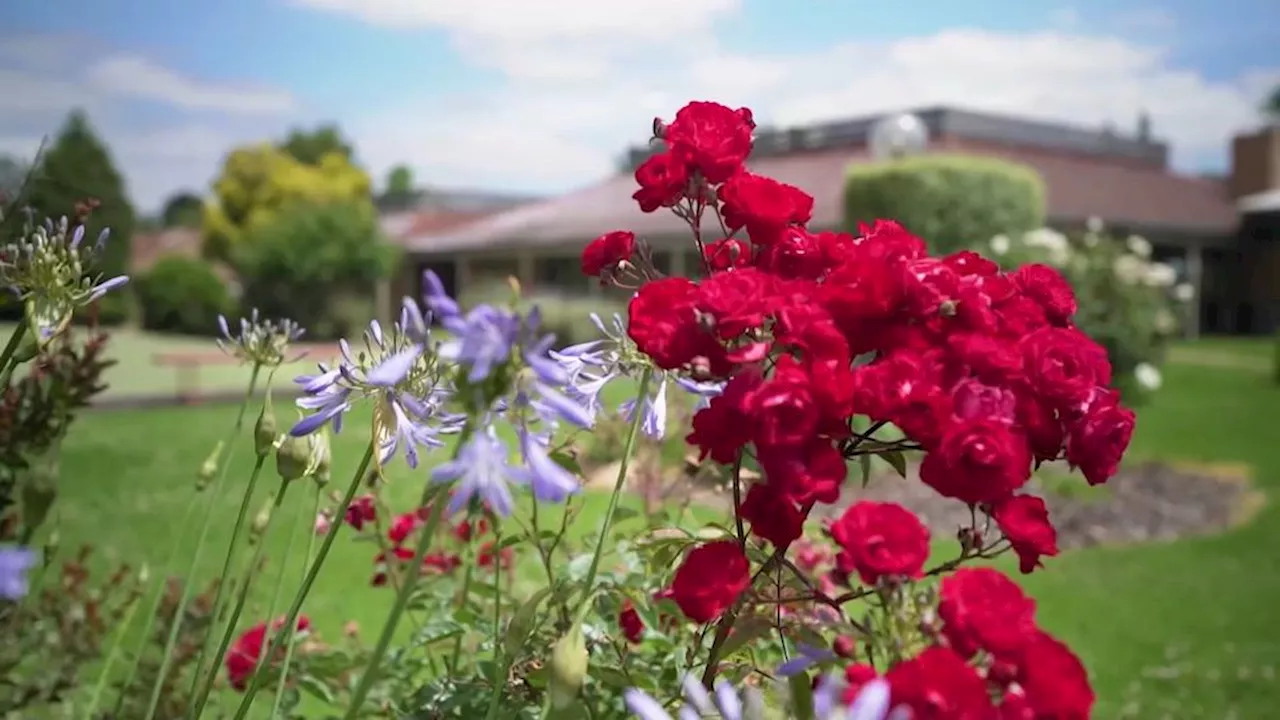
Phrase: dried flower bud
pixel 292 458
pixel 261 522
pixel 319 457
pixel 569 662
pixel 844 646
pixel 659 129
pixel 266 430
pixel 209 468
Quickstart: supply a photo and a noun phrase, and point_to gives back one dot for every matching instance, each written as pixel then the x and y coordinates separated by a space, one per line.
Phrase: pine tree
pixel 76 167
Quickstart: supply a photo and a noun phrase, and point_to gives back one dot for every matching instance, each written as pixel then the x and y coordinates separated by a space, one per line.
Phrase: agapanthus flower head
pixel 871 702
pixel 258 340
pixel 399 371
pixel 14 564
pixel 52 271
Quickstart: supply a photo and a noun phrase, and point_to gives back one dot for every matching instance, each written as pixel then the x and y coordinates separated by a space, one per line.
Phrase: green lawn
pixel 1183 630
pixel 136 373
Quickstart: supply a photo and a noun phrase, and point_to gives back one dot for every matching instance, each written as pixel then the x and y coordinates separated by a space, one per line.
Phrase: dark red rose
pixel 783 407
pixel 1064 365
pixel 1024 520
pixel 1054 680
pixel 1096 442
pixel 1049 289
pixel 734 303
pixel 607 252
pixel 712 138
pixel 938 684
pixel 763 206
pixel 726 254
pixel 361 510
pixel 722 428
pixel 663 181
pixel 978 461
pixel 630 624
pixel 664 324
pixel 710 579
pixel 880 539
pixel 982 609
pixel 773 516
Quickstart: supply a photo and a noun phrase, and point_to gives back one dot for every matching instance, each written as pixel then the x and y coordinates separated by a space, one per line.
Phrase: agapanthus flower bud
pixel 261 522
pixel 209 468
pixel 51 272
pixel 266 430
pixel 319 457
pixel 568 666
pixel 292 458
pixel 259 341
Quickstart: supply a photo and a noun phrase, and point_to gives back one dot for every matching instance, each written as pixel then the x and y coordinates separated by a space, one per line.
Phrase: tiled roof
pixel 1122 193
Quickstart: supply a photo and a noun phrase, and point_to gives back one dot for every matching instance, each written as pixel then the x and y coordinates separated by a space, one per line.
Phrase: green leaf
pixel 897 461
pixel 566 460
pixel 521 623
pixel 317 689
pixel 624 513
pixel 801 696
pixel 865 462
pixel 745 630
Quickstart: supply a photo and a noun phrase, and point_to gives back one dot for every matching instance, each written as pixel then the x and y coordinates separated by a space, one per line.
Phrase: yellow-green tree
pixel 257 183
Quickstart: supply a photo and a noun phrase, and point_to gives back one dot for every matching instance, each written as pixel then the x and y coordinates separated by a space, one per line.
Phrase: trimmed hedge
pixel 182 295
pixel 952 201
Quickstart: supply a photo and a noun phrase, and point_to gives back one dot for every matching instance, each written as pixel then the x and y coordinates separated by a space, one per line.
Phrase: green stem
pixel 284 571
pixel 300 597
pixel 10 348
pixel 154 609
pixel 110 661
pixel 500 664
pixel 402 598
pixel 189 580
pixel 291 642
pixel 241 597
pixel 627 451
pixel 469 563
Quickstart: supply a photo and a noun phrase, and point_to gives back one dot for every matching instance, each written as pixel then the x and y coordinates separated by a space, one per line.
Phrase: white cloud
pixel 131 76
pixel 557 132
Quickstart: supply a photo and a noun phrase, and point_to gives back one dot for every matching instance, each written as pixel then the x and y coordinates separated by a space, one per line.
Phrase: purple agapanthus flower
pixel 259 340
pixel 480 471
pixel 399 374
pixel 808 657
pixel 14 564
pixel 871 703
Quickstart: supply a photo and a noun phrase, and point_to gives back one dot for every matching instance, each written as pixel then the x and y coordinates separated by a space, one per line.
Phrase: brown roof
pixel 1079 187
pixel 148 248
pixel 406 228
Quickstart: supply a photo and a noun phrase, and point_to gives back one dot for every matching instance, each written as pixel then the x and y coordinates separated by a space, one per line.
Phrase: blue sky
pixel 541 95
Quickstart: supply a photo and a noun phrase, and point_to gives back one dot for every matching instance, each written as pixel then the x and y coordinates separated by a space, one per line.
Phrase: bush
pixel 949 199
pixel 567 316
pixel 182 295
pixel 310 262
pixel 1129 303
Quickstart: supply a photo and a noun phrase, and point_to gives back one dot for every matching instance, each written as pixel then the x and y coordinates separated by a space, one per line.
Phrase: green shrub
pixel 567 316
pixel 182 295
pixel 950 200
pixel 310 262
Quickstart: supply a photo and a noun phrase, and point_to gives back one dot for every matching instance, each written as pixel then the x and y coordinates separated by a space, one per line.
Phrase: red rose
pixel 1024 520
pixel 361 510
pixel 710 579
pixel 889 240
pixel 879 539
pixel 1064 365
pixel 663 181
pixel 856 676
pixel 712 138
pixel 978 461
pixel 242 657
pixel 773 516
pixel 1019 316
pixel 722 428
pixel 607 251
pixel 726 254
pixel 630 623
pixel 1096 443
pixel 938 684
pixel 664 324
pixel 783 407
pixel 1049 289
pixel 403 526
pixel 807 473
pixel 793 254
pixel 763 206
pixel 1054 680
pixel 1043 428
pixel 736 302
pixel 981 609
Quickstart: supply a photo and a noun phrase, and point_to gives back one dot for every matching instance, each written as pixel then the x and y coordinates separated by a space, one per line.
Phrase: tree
pixel 1271 106
pixel 310 146
pixel 77 166
pixel 258 183
pixel 182 210
pixel 399 190
pixel 13 173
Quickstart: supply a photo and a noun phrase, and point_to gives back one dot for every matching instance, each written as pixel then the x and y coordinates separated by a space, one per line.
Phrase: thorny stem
pixel 627 451
pixel 188 580
pixel 241 597
pixel 293 637
pixel 312 572
pixel 402 598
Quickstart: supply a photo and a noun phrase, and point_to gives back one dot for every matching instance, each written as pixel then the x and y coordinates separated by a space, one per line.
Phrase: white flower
pixel 1139 246
pixel 1147 376
pixel 1183 292
pixel 1046 238
pixel 1160 275
pixel 1165 322
pixel 1000 244
pixel 1093 224
pixel 1129 269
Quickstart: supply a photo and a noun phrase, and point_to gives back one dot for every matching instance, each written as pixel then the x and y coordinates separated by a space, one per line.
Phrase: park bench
pixel 186 366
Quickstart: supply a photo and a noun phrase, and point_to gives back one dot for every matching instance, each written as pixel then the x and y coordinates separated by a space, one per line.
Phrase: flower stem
pixel 154 609
pixel 313 571
pixel 241 597
pixel 189 580
pixel 501 664
pixel 627 451
pixel 284 571
pixel 293 637
pixel 402 597
pixel 469 563
pixel 111 658
pixel 10 348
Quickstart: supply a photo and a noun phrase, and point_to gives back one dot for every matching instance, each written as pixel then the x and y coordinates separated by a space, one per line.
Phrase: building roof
pixel 1138 195
pixel 147 248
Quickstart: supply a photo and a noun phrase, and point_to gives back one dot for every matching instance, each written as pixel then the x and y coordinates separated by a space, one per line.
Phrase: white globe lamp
pixel 895 136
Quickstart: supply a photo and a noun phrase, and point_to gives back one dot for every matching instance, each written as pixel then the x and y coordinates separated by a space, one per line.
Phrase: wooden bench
pixel 186 367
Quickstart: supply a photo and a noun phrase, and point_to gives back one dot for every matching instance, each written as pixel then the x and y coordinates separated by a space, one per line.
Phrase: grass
pixel 136 374
pixel 1182 630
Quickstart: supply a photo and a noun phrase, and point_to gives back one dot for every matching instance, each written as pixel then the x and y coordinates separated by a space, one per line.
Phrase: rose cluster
pixel 246 652
pixel 981 369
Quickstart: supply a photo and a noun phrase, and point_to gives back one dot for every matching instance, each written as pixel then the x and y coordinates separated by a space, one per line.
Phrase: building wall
pixel 1255 163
